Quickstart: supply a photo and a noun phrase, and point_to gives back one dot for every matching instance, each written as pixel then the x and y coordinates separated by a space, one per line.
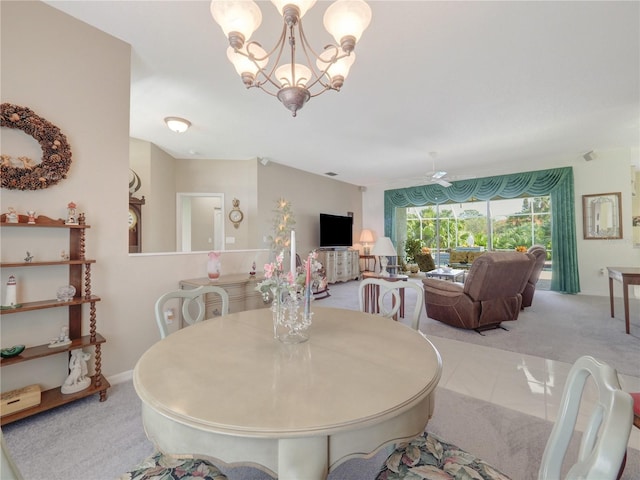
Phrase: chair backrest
pixel 389 300
pixel 8 468
pixel 540 252
pixel 193 305
pixel 604 441
pixel 498 274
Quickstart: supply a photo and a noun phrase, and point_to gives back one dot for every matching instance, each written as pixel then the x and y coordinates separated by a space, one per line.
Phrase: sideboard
pixel 340 265
pixel 241 288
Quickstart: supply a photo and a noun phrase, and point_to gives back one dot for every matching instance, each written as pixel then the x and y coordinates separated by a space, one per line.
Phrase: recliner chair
pixel 491 294
pixel 540 253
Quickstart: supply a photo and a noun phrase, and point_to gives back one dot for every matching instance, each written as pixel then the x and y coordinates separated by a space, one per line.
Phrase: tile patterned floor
pixel 524 383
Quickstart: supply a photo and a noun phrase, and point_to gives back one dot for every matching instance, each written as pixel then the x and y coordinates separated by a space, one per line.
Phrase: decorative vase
pixel 289 324
pixel 213 265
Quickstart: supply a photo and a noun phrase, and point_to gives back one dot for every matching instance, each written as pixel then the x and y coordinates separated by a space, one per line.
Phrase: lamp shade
pixel 243 64
pixel 384 248
pixel 366 236
pixel 241 16
pixel 347 18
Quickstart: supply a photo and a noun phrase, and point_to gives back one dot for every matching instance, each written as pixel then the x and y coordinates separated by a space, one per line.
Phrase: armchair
pixel 540 253
pixel 491 294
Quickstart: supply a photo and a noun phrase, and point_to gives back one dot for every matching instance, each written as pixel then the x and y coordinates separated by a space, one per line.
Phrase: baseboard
pixel 120 377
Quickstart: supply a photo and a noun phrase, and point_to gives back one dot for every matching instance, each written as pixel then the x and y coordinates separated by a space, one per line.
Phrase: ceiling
pixel 491 87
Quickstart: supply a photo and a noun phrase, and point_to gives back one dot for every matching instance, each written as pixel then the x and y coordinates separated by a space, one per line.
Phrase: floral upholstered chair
pixel 602 450
pixel 167 467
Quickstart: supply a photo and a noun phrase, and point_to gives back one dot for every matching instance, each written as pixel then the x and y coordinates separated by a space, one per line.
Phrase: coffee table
pixel 453 274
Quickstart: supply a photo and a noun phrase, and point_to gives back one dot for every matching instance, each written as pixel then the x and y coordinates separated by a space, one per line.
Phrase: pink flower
pixel 268 270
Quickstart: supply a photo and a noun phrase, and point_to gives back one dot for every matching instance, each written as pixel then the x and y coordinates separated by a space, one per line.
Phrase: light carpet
pixel 557 326
pixel 90 440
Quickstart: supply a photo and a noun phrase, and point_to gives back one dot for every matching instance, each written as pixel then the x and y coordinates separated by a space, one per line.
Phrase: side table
pixel 367 259
pixel 372 292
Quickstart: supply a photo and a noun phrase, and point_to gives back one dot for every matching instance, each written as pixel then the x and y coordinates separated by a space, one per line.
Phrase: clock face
pixel 133 219
pixel 236 216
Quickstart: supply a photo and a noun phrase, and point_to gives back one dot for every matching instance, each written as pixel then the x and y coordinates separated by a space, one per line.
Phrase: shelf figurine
pixel 64 256
pixel 71 214
pixel 29 257
pixel 10 297
pixel 63 339
pixel 31 217
pixel 12 216
pixel 78 378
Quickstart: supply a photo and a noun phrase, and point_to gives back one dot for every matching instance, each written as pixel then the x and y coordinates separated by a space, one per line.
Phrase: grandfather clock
pixel 135 224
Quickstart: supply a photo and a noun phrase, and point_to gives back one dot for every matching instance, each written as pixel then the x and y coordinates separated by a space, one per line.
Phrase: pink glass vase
pixel 213 265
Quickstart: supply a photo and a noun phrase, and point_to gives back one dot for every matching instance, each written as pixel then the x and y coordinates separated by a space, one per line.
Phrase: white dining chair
pixel 383 297
pixel 8 468
pixel 603 444
pixel 193 305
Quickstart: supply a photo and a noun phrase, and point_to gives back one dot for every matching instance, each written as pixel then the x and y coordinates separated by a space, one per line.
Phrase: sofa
pixel 540 253
pixel 460 258
pixel 491 294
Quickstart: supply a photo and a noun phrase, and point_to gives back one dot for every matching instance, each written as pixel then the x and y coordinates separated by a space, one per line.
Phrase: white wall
pixel 609 172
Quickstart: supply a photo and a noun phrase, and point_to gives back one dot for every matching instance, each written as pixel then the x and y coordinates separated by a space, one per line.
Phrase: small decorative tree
pixel 283 223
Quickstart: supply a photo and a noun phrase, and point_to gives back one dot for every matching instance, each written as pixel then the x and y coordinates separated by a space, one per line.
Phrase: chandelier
pixel 289 73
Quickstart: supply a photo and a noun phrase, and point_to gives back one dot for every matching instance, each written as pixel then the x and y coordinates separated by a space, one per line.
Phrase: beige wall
pixel 78 78
pixel 309 195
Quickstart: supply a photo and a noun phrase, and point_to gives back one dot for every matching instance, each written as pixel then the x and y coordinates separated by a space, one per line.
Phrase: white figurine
pixel 12 216
pixel 32 217
pixel 62 340
pixel 78 378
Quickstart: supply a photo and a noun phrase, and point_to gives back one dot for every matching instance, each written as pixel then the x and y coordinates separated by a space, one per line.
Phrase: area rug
pixel 557 326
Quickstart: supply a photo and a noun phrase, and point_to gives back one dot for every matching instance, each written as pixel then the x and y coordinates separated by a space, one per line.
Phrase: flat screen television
pixel 335 231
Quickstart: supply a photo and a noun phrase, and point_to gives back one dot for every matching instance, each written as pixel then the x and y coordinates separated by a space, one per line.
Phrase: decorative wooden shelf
pixel 45 264
pixel 42 304
pixel 55 398
pixel 79 276
pixel 41 351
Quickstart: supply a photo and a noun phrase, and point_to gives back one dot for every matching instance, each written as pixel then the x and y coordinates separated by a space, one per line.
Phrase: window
pixel 500 224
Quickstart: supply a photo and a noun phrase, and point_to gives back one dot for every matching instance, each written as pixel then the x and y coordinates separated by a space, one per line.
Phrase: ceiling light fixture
pixel 177 124
pixel 291 82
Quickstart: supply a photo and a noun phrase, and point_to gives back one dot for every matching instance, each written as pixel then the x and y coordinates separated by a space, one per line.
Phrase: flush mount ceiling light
pixel 291 82
pixel 177 124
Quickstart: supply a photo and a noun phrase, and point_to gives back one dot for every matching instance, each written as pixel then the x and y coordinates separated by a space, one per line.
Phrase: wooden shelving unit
pixel 79 275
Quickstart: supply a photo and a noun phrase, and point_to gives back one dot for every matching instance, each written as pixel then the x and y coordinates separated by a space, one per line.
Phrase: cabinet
pixel 79 275
pixel 340 265
pixel 240 287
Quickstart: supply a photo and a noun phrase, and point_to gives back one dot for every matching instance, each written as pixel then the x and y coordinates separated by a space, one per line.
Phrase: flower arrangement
pixel 286 289
pixel 426 250
pixel 521 249
pixel 277 281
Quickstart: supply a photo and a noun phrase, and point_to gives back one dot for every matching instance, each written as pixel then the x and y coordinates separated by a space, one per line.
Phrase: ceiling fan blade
pixel 443 183
pixel 438 174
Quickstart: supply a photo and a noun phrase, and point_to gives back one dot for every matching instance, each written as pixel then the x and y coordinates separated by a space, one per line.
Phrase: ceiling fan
pixel 437 176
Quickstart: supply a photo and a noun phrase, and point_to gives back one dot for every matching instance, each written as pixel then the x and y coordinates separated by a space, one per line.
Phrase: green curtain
pixel 557 183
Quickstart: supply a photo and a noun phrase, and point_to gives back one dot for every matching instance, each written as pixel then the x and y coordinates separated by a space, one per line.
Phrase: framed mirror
pixel 602 216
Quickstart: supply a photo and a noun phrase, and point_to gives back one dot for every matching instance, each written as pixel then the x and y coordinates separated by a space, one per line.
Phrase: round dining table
pixel 226 390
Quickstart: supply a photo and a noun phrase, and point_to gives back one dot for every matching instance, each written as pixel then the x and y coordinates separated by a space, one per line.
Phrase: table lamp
pixel 366 237
pixel 384 248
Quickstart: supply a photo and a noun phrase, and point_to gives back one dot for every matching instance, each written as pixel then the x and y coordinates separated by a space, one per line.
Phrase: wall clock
pixel 235 215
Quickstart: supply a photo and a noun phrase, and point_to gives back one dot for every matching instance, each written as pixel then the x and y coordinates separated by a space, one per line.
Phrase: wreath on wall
pixel 56 152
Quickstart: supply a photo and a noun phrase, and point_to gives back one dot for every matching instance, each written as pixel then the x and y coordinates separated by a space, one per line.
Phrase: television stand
pixel 340 265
